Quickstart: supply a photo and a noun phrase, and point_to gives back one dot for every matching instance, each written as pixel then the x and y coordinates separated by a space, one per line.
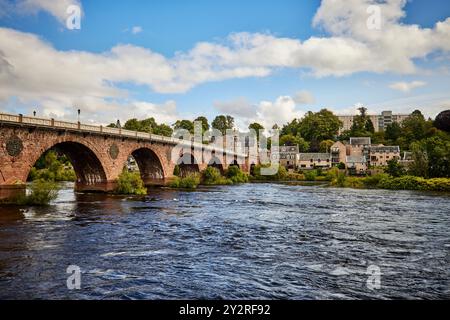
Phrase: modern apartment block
pixel 379 121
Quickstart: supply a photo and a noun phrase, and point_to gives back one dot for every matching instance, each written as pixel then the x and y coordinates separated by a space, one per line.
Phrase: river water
pixel 255 241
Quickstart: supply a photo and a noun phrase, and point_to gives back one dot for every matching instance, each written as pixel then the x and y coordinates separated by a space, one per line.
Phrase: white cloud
pixel 57 8
pixel 136 30
pixel 239 107
pixel 267 113
pixel 36 73
pixel 304 97
pixel 407 86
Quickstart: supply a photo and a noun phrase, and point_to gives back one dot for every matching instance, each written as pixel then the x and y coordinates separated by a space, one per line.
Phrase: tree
pixel 133 125
pixel 415 127
pixel 442 121
pixel 369 126
pixel 257 127
pixel 325 145
pixel 205 124
pixel 394 168
pixel 393 131
pixel 184 124
pixel 319 126
pixel 163 130
pixel 290 140
pixel 223 123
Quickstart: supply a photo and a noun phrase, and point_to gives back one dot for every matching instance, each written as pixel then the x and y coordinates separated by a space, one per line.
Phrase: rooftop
pixel 314 156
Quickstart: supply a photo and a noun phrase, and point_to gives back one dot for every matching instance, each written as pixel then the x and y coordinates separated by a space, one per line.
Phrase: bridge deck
pixel 102 130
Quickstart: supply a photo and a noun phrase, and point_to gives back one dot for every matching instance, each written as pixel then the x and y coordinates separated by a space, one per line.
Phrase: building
pixel 288 156
pixel 380 155
pixel 338 153
pixel 356 165
pixel 314 160
pixel 380 122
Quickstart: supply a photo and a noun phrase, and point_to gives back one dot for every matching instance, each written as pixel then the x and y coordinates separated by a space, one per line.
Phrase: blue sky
pixel 172 28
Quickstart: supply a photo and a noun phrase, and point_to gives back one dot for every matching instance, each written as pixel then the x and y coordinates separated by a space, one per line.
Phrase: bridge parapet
pixel 59 124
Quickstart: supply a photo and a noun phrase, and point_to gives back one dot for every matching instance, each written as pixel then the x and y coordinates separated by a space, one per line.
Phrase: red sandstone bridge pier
pixel 99 154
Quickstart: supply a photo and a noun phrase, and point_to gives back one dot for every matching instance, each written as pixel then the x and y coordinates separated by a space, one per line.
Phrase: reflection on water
pixel 251 241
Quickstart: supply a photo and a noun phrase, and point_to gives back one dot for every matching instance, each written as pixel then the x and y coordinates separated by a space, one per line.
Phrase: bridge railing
pixel 52 123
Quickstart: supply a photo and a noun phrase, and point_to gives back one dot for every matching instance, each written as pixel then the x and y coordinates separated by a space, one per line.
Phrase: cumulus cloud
pixel 407 86
pixel 136 30
pixel 58 8
pixel 239 107
pixel 267 113
pixel 35 72
pixel 304 97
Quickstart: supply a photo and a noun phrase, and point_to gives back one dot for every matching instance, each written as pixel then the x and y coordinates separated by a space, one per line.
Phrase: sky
pixel 257 60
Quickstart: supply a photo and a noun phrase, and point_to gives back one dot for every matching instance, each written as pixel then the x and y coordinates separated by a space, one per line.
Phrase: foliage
pixel 148 125
pixel 177 171
pixel 340 166
pixel 190 181
pixel 362 125
pixel 212 176
pixel 415 183
pixel 41 193
pixel 235 174
pixel 130 183
pixel 290 140
pixel 52 167
pixel 184 125
pixel 257 127
pixel 310 175
pixel 394 168
pixel 442 121
pixel 223 123
pixel 205 124
pixel 319 126
pixel 325 145
pixel 281 175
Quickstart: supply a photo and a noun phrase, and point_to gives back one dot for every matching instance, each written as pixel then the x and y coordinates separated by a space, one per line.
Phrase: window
pixel 303 165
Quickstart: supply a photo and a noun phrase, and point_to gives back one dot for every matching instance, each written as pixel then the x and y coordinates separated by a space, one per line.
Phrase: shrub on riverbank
pixel 235 174
pixel 41 194
pixel 415 183
pixel 130 183
pixel 212 176
pixel 191 181
pixel 281 175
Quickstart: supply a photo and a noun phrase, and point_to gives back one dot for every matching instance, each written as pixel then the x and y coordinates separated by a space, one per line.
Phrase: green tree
pixel 184 124
pixel 415 127
pixel 163 130
pixel 319 126
pixel 369 126
pixel 290 140
pixel 393 131
pixel 133 125
pixel 257 127
pixel 205 123
pixel 394 168
pixel 325 145
pixel 223 123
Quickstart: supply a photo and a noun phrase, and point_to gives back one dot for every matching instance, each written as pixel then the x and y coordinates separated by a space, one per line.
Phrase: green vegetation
pixel 212 176
pixel 41 194
pixel 147 125
pixel 177 171
pixel 190 181
pixel 310 175
pixel 130 183
pixel 52 167
pixel 235 174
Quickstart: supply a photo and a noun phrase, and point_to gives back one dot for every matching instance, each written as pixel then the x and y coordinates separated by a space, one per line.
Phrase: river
pixel 253 241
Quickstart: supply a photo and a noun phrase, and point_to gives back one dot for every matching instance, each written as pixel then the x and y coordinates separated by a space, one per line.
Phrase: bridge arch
pixel 89 170
pixel 188 164
pixel 150 165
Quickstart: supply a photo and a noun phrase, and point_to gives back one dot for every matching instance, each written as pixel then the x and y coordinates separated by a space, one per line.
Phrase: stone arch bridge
pixel 99 154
